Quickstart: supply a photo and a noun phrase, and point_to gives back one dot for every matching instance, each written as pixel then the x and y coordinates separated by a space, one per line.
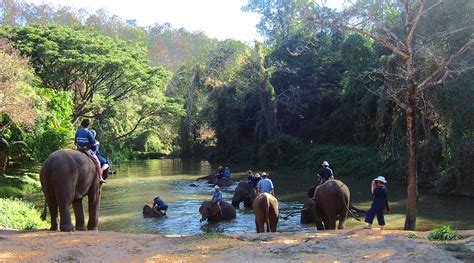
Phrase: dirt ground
pixel 323 246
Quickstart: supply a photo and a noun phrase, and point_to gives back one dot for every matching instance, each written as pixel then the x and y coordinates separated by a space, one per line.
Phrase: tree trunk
pixel 412 189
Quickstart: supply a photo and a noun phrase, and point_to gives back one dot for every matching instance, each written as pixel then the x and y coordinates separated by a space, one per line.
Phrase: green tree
pixel 88 64
pixel 424 54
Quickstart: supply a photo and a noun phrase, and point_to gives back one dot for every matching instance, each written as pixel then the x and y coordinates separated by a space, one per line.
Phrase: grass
pixel 17 186
pixel 443 233
pixel 17 214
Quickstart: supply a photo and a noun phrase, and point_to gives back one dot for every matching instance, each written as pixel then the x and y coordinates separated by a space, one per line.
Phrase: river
pixel 137 182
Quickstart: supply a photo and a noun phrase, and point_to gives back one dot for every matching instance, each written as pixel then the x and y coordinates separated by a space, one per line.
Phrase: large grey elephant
pixel 308 213
pixel 210 211
pixel 265 208
pixel 244 192
pixel 66 177
pixel 212 179
pixel 331 203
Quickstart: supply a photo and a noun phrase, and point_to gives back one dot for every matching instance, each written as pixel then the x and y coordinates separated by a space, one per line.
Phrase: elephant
pixel 213 180
pixel 210 211
pixel 149 211
pixel 244 192
pixel 265 208
pixel 331 202
pixel 66 177
pixel 308 213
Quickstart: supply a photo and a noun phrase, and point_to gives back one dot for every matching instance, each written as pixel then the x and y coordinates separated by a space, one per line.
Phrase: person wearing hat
pixel 252 178
pixel 159 205
pixel 325 173
pixel 217 197
pixel 379 203
pixel 265 185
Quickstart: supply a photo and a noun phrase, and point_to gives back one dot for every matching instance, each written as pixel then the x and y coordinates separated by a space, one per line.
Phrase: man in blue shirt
pixel 379 203
pixel 325 173
pixel 217 198
pixel 160 205
pixel 265 185
pixel 85 141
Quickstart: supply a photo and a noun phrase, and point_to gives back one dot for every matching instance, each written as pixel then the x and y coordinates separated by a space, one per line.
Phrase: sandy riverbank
pixel 323 246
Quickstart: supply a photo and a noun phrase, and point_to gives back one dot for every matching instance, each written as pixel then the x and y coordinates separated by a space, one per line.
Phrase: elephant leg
pixel 94 205
pixel 342 219
pixel 65 216
pixel 53 210
pixel 79 214
pixel 319 225
pixel 273 219
pixel 331 222
pixel 259 225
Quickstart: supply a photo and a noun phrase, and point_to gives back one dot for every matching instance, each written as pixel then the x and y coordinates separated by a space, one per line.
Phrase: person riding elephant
pixel 213 180
pixel 265 208
pixel 331 202
pixel 325 173
pixel 86 143
pixel 210 212
pixel 244 192
pixel 66 177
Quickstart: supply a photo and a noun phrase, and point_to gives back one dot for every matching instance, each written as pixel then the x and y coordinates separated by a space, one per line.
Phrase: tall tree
pixel 90 65
pixel 424 55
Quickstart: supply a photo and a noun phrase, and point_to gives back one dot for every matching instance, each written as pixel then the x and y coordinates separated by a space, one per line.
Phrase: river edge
pixel 324 246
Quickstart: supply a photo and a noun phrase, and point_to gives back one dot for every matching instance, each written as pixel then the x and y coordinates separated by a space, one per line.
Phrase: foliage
pixel 16 93
pixel 443 233
pixel 347 160
pixel 19 185
pixel 17 214
pixel 86 63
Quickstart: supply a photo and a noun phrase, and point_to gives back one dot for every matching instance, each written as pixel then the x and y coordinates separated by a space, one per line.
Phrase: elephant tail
pixel 267 215
pixel 348 209
pixel 45 211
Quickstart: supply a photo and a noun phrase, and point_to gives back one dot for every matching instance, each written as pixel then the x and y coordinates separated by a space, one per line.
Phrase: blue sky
pixel 221 19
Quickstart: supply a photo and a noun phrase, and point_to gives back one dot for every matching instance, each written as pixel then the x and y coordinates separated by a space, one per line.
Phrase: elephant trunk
pixel 236 204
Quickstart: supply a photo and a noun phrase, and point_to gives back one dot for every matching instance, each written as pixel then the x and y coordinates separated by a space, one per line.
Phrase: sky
pixel 221 19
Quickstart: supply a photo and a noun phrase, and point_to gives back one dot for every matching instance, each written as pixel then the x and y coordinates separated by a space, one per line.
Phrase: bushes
pixel 17 214
pixel 348 160
pixel 19 185
pixel 279 151
pixel 443 233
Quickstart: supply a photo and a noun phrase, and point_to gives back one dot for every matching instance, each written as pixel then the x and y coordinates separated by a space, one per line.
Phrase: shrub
pixel 443 233
pixel 15 213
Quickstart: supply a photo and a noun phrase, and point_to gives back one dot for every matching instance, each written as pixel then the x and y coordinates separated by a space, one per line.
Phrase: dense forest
pixel 380 87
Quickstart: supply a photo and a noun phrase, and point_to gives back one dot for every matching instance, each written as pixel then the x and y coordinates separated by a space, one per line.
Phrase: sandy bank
pixel 323 246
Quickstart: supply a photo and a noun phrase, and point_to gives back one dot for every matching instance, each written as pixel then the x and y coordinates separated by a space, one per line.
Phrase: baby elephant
pixel 265 207
pixel 210 211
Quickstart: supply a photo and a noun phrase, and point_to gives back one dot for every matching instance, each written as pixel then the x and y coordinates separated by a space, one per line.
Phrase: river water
pixel 137 182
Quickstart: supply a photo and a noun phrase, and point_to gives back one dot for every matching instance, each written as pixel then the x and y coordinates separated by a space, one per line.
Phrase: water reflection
pixel 137 182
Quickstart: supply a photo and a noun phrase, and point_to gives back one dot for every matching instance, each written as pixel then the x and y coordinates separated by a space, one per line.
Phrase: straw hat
pixel 216 187
pixel 325 163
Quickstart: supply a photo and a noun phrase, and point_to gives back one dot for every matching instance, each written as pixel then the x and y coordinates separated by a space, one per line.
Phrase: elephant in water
pixel 244 192
pixel 308 213
pixel 66 177
pixel 149 211
pixel 210 211
pixel 212 179
pixel 265 208
pixel 331 202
